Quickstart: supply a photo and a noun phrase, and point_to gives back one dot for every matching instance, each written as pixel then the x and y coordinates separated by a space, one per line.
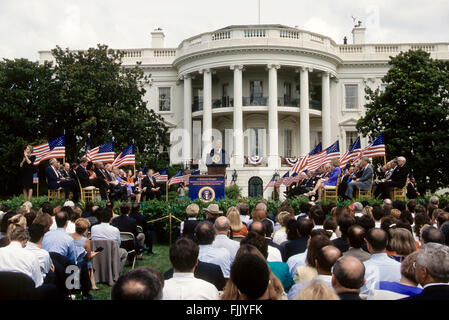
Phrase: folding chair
pixel 331 192
pixel 54 194
pixel 365 193
pixel 399 193
pixel 129 244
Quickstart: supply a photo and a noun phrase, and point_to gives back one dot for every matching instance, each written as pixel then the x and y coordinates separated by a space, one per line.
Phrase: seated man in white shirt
pixel 105 231
pixel 205 234
pixel 183 285
pixel 222 227
pixel 14 258
pixel 379 267
pixel 34 245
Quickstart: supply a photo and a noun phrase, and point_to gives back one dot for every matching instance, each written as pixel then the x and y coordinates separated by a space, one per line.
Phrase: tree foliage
pixel 84 92
pixel 413 111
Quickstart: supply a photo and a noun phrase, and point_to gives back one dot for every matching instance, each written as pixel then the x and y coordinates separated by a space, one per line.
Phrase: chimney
pixel 358 34
pixel 157 38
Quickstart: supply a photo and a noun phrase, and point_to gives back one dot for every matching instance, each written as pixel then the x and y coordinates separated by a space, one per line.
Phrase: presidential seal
pixel 206 194
pixel 216 158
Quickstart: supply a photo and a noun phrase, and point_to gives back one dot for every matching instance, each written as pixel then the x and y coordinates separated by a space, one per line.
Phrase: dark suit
pixel 341 243
pixel 125 224
pixel 150 182
pixel 83 177
pixel 206 271
pixel 65 173
pixel 436 292
pixel 398 179
pixel 349 296
pixel 364 183
pixel 293 247
pixel 411 191
pixel 54 181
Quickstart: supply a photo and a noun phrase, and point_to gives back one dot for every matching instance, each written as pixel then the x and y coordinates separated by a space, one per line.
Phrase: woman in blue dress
pixel 330 181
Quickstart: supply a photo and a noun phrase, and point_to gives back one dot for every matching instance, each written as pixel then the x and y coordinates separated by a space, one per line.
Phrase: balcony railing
pixel 288 102
pixel 224 102
pixel 315 104
pixel 252 101
pixel 197 104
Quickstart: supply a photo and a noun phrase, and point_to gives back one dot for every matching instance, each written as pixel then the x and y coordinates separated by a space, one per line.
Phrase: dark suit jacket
pixel 101 175
pixel 65 174
pixel 83 176
pixel 125 224
pixel 437 292
pixel 341 243
pixel 140 220
pixel 149 182
pixel 206 271
pixel 399 176
pixel 293 247
pixel 349 296
pixel 52 178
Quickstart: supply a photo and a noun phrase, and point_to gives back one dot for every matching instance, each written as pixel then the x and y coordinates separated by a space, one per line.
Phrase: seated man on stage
pixel 87 179
pixel 150 188
pixel 117 190
pixel 329 180
pixel 56 180
pixel 299 187
pixel 65 172
pixel 364 181
pixel 349 175
pixel 398 179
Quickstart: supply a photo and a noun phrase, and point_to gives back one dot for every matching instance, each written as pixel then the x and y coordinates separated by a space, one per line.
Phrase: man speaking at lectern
pixel 217 156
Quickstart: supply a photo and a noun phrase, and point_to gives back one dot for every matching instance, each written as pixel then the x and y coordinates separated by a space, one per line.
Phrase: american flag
pixel 126 157
pixel 375 149
pixel 51 149
pixel 288 182
pixel 186 177
pixel 177 178
pixel 351 154
pixel 332 152
pixel 302 164
pixel 103 153
pixel 316 158
pixel 282 179
pixel 161 176
pixel 35 178
pixel 270 184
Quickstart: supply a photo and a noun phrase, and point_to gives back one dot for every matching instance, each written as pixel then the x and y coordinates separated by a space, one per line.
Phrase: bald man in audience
pixel 348 277
pixel 265 229
pixel 222 227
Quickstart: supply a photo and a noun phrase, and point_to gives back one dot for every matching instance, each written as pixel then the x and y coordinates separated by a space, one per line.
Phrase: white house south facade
pixel 267 90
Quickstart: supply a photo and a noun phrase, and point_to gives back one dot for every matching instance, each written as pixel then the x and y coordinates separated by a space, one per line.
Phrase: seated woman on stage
pixel 331 181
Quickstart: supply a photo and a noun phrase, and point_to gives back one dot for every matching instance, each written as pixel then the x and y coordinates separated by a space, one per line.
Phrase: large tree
pixel 413 111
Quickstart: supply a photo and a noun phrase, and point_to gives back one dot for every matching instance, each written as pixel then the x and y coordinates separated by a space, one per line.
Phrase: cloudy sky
pixel 27 26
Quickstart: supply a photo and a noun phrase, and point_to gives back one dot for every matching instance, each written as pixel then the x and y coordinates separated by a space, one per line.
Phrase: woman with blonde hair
pixel 275 290
pixel 281 235
pixel 331 181
pixel 317 290
pixel 27 169
pixel 237 227
pixel 402 243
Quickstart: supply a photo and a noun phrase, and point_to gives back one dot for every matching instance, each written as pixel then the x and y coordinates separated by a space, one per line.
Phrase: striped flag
pixel 302 164
pixel 288 182
pixel 325 156
pixel 126 157
pixel 270 184
pixel 35 178
pixel 51 149
pixel 282 179
pixel 161 176
pixel 103 153
pixel 177 178
pixel 316 157
pixel 187 176
pixel 351 154
pixel 375 149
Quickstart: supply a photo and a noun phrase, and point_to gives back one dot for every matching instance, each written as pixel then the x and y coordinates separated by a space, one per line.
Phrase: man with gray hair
pixel 432 272
pixel 398 179
pixel 222 227
pixel 55 180
pixel 365 180
pixel 434 202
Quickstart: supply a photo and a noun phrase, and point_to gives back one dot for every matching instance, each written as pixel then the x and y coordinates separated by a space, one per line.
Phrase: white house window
pixel 351 96
pixel 256 141
pixel 351 136
pixel 288 143
pixel 164 99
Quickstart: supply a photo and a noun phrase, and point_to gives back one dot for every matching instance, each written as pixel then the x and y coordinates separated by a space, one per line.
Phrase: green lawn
pixel 159 261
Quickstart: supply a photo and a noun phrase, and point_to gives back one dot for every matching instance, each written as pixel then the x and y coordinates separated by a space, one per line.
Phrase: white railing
pixel 386 49
pixel 290 34
pixel 423 47
pixel 221 35
pixel 164 53
pixel 132 53
pixel 255 33
pixel 316 38
pixel 351 49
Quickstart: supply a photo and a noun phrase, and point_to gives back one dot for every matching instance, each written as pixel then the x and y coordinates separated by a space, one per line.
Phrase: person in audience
pixel 317 290
pixel 244 212
pixel 212 212
pixel 138 284
pixel 183 285
pixel 71 217
pixel 442 218
pixel 265 229
pixel 432 272
pixel 238 228
pixel 44 219
pixel 401 244
pixel 36 234
pixel 59 241
pixel 127 224
pixel 298 233
pixel 348 176
pixel 445 230
pixel 141 221
pixel 356 239
pixel 222 228
pixel 348 276
pixel 406 287
pixel 188 226
pixel 86 179
pixel 431 234
pixel 15 258
pixel 280 235
pixel 88 210
pixel 331 226
pixel 325 259
pixel 344 222
pixel 205 234
pixel 279 269
pixel 83 247
pixel 379 267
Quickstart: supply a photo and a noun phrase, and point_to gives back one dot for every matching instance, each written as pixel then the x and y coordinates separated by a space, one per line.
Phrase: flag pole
pixel 37 187
pixel 385 160
pixel 166 191
pixel 63 159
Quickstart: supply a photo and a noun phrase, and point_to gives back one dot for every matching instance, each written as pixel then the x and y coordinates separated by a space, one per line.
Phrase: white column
pixel 238 116
pixel 304 129
pixel 273 154
pixel 325 110
pixel 207 112
pixel 187 136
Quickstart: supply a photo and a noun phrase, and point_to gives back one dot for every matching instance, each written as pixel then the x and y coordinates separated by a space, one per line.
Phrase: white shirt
pixel 380 267
pixel 244 219
pixel 184 286
pixel 274 254
pixel 42 255
pixel 358 214
pixel 14 258
pixel 296 261
pixel 70 226
pixel 297 288
pixel 104 231
pixel 377 224
pixel 280 236
pixel 318 226
pixel 222 241
pixel 218 256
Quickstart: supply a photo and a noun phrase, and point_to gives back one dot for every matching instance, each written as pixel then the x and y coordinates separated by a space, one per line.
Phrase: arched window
pixel 255 187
